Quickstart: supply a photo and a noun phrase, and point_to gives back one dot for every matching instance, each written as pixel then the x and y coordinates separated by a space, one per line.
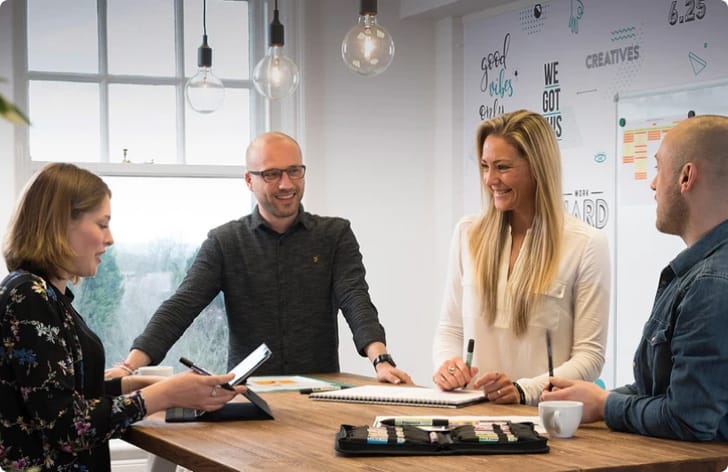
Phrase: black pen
pixel 201 371
pixel 551 359
pixel 415 422
pixel 307 391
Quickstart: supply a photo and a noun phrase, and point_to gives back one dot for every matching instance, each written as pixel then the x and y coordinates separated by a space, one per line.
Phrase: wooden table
pixel 301 438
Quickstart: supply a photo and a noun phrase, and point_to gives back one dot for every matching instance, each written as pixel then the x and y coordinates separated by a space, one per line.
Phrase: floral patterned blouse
pixel 56 412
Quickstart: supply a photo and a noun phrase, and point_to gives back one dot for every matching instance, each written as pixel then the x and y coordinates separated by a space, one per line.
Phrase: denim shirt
pixel 681 364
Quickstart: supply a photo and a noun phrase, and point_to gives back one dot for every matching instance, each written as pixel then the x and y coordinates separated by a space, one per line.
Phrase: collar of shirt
pixel 711 241
pixel 303 218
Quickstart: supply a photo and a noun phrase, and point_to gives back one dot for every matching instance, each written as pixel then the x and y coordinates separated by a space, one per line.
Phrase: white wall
pixel 371 146
pixel 7 159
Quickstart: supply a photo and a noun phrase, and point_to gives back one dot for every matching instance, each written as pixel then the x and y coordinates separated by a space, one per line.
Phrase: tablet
pixel 248 365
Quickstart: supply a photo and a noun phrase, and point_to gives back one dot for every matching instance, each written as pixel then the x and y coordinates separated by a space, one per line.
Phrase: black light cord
pixel 204 17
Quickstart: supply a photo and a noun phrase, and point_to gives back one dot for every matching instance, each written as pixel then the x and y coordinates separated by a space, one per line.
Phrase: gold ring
pixel 451 369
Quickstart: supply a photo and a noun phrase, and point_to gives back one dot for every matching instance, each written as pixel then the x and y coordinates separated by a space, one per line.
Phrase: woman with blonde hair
pixel 57 410
pixel 521 271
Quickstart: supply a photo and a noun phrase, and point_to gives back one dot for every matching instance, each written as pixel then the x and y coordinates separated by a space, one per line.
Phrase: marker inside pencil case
pixel 415 422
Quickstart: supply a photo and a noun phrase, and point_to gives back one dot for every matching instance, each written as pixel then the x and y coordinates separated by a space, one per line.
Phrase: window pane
pixel 62 36
pixel 152 251
pixel 223 136
pixel 141 37
pixel 227 35
pixel 64 121
pixel 142 120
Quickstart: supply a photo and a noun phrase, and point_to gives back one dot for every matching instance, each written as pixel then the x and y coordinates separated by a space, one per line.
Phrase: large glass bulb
pixel 205 92
pixel 275 76
pixel 367 49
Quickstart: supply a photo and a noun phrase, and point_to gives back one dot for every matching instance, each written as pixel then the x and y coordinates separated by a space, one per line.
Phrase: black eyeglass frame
pixel 274 175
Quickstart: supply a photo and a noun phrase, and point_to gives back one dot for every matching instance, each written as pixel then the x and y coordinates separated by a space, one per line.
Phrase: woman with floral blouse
pixel 57 411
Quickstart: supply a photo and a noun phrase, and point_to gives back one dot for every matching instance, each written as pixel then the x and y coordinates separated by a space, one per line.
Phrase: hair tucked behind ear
pixel 37 238
pixel 535 141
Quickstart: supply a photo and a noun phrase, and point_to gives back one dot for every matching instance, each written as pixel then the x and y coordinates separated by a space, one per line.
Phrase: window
pixel 152 251
pixel 105 89
pixel 106 81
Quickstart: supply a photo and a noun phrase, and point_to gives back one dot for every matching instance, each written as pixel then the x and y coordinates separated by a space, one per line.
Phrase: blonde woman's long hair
pixel 535 141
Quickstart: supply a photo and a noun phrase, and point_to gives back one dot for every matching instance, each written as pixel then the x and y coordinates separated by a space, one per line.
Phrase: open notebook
pixel 402 395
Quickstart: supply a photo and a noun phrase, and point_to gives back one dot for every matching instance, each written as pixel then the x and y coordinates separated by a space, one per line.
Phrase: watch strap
pixel 383 358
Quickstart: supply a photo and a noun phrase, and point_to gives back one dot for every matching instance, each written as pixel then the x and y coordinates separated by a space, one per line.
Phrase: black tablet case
pixel 257 409
pixel 411 440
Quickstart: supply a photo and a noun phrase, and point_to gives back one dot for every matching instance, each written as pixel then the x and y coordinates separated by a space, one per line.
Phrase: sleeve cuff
pixel 112 387
pixel 614 408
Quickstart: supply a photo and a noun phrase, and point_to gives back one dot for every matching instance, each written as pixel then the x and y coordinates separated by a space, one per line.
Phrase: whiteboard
pixel 521 56
pixel 642 252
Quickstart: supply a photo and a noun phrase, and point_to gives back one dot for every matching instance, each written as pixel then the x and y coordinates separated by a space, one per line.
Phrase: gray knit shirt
pixel 281 289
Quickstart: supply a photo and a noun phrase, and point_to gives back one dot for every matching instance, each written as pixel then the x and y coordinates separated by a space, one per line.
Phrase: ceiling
pixel 437 9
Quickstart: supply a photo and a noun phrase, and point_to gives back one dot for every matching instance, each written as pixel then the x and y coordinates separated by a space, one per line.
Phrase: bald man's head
pixel 254 154
pixel 702 139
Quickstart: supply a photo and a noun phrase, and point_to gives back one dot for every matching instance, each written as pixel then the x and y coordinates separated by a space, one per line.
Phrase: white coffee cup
pixel 561 418
pixel 158 370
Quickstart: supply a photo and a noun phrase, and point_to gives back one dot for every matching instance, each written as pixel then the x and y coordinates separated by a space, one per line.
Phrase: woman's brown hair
pixel 37 238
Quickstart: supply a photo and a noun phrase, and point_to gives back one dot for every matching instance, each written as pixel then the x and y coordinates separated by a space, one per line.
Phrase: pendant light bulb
pixel 205 92
pixel 276 76
pixel 368 49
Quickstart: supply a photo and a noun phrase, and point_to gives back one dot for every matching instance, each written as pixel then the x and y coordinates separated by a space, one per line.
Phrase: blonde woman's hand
pixel 454 373
pixel 498 387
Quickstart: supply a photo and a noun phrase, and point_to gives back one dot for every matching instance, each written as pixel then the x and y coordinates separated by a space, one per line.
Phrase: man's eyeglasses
pixel 274 175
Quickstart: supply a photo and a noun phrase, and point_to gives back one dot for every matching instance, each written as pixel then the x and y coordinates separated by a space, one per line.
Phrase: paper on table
pixel 465 419
pixel 403 395
pixel 281 383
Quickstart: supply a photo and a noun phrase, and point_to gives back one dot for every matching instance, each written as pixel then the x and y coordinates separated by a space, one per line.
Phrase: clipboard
pixel 257 409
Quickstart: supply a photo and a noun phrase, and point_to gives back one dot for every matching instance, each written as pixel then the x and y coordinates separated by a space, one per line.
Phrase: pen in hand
pixel 192 366
pixel 199 370
pixel 550 355
pixel 471 348
pixel 469 357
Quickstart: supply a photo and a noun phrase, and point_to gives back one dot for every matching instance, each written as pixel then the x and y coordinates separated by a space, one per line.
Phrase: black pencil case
pixel 493 438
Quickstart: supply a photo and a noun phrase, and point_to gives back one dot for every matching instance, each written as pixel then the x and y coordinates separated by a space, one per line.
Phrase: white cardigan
pixel 575 309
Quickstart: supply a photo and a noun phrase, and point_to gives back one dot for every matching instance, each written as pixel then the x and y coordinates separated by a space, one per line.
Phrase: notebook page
pixel 403 395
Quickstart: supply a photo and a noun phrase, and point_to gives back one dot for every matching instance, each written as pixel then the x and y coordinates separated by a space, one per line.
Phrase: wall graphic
pixel 573 61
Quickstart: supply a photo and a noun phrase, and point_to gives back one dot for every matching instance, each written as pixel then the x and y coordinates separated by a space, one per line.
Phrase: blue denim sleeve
pixel 626 389
pixel 694 404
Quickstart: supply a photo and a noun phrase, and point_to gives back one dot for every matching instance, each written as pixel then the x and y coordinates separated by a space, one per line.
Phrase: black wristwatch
pixel 383 358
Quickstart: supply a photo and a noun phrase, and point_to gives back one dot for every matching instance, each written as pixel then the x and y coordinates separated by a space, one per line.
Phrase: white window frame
pixel 262 117
pixel 282 115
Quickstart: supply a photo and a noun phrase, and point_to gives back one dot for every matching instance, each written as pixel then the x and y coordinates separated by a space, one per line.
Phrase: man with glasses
pixel 285 274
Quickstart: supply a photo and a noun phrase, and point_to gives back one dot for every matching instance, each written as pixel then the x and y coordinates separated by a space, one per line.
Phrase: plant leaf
pixel 11 113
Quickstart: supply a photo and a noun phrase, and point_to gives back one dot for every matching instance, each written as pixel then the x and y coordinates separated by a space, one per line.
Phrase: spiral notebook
pixel 403 395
